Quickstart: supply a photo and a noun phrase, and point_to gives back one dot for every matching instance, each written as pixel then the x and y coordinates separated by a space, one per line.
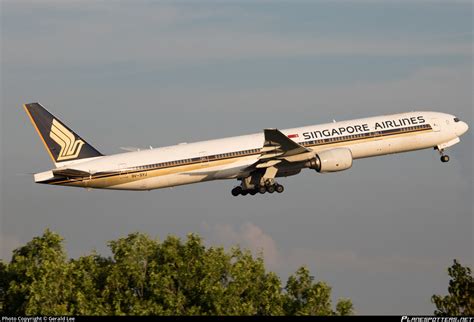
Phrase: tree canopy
pixel 460 300
pixel 147 277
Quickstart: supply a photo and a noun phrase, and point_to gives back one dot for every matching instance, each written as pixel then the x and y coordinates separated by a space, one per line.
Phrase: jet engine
pixel 332 160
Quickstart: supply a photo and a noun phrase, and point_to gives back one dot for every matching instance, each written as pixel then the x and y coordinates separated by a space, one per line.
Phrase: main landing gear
pixel 259 189
pixel 259 182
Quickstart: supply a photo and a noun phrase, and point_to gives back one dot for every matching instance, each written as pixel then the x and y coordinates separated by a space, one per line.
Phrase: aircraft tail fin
pixel 62 144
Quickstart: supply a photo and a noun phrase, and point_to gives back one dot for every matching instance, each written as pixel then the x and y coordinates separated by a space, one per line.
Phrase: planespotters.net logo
pixel 437 319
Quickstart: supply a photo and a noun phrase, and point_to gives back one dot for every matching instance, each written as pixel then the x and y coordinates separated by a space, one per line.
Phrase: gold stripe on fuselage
pixel 108 180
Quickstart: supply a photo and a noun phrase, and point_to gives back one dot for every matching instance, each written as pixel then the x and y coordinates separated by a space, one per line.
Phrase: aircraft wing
pixel 277 148
pixel 278 144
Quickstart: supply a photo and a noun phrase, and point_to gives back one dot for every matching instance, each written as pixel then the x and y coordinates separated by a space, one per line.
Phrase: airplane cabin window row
pixel 307 143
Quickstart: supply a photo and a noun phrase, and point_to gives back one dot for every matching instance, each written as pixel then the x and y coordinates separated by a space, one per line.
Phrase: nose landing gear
pixel 444 158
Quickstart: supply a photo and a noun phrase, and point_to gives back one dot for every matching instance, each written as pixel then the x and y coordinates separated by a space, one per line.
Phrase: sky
pixel 147 73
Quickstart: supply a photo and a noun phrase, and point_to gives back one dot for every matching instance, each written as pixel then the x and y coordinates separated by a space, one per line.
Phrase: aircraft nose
pixel 462 128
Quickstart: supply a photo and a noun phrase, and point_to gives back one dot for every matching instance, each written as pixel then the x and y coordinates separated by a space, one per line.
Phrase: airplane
pixel 255 160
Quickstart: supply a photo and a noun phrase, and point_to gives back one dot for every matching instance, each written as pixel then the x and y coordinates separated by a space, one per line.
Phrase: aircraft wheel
pixel 444 158
pixel 271 189
pixel 236 191
pixel 262 189
pixel 244 192
pixel 252 192
pixel 279 188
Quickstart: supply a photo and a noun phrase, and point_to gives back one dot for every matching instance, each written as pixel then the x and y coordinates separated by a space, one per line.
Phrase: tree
pixel 89 277
pixel 3 286
pixel 460 300
pixel 304 297
pixel 39 280
pixel 147 277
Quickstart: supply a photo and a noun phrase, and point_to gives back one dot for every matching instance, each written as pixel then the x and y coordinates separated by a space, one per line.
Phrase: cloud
pixel 351 260
pixel 248 236
pixel 251 236
pixel 444 89
pixel 176 35
pixel 164 50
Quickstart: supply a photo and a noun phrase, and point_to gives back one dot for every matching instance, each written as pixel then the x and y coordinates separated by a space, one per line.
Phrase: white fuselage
pixel 229 158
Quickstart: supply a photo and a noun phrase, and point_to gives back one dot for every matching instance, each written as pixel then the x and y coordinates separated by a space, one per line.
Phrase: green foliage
pixel 344 307
pixel 460 300
pixel 89 278
pixel 39 278
pixel 4 280
pixel 148 277
pixel 304 297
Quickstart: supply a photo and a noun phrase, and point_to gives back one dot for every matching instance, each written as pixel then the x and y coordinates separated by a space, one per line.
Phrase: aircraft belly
pixel 174 179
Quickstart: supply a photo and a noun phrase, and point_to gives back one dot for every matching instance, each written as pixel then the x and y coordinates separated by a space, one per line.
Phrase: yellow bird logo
pixel 70 147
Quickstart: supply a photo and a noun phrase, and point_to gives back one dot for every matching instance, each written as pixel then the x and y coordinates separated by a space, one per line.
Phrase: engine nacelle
pixel 331 160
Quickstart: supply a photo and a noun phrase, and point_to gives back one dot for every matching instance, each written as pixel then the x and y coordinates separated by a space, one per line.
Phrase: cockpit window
pixel 456 119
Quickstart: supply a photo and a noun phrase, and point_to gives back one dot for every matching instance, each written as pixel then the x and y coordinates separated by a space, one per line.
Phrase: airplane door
pixel 435 124
pixel 123 170
pixel 203 158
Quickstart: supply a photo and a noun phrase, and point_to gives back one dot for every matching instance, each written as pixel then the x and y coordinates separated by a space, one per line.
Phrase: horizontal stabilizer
pixel 71 173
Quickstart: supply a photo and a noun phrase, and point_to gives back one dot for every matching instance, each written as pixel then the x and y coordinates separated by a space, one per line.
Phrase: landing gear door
pixel 435 124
